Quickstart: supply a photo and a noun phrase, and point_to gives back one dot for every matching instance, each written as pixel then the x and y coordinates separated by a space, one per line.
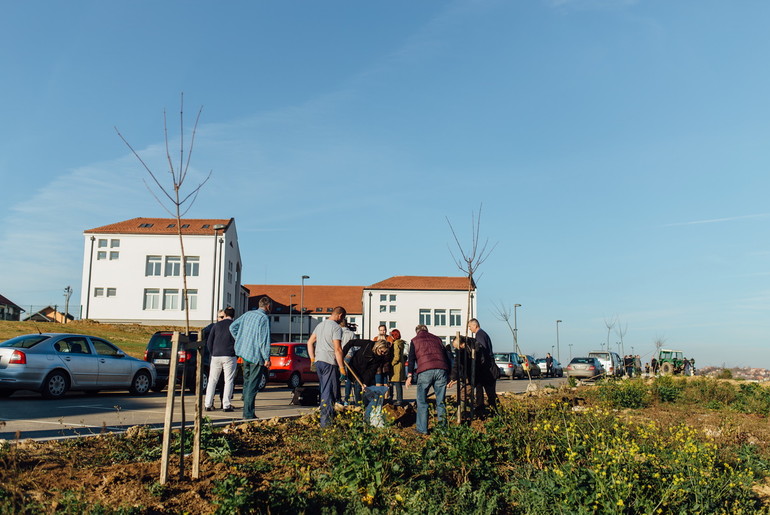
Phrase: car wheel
pixel 55 385
pixel 204 382
pixel 262 382
pixel 4 392
pixel 295 381
pixel 141 383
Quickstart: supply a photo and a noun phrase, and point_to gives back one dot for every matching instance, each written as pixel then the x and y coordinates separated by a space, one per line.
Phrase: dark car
pixel 529 366
pixel 290 364
pixel 53 363
pixel 158 353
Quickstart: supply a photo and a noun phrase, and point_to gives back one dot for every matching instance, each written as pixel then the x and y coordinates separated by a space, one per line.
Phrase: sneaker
pixel 210 408
pixel 228 409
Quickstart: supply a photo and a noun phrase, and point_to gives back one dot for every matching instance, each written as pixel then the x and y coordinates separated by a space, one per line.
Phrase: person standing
pixel 548 364
pixel 398 376
pixel 432 371
pixel 348 334
pixel 325 349
pixel 252 343
pixel 221 347
pixel 487 370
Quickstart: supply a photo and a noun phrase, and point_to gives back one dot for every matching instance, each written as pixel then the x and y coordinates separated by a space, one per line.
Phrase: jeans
pixel 351 385
pixel 436 378
pixel 329 381
pixel 252 372
pixel 228 364
pixel 398 386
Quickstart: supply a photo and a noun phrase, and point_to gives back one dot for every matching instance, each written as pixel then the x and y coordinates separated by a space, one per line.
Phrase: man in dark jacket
pixel 487 370
pixel 221 347
pixel 432 372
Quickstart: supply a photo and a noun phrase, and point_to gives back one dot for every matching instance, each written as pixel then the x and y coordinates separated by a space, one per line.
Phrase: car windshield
pixel 540 360
pixel 25 342
pixel 600 355
pixel 502 357
pixel 160 341
pixel 279 351
pixel 583 360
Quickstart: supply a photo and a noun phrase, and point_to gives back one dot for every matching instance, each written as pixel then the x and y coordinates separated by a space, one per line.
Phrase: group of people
pixel 378 363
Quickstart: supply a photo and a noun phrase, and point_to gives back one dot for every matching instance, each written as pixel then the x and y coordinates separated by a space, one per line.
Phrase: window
pixel 383 298
pixel 191 265
pixel 391 325
pixel 153 266
pixel 382 322
pixel 455 317
pixel 173 266
pixel 170 226
pixel 206 226
pixel 192 298
pixel 393 298
pixel 392 308
pixel 425 317
pixel 114 255
pixel 114 244
pixel 229 299
pixel 170 299
pixel 439 316
pixel 383 308
pixel 98 292
pixel 102 243
pixel 101 255
pixel 145 226
pixel 112 292
pixel 152 299
pixel 104 348
pixel 185 226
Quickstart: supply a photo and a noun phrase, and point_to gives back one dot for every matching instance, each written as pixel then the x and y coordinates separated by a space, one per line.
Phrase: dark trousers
pixel 329 381
pixel 251 375
pixel 489 387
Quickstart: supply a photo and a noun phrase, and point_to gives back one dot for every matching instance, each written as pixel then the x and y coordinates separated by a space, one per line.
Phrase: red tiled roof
pixel 161 226
pixel 418 282
pixel 316 297
pixel 5 302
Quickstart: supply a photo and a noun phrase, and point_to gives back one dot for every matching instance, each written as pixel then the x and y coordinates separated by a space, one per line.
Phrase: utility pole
pixel 67 295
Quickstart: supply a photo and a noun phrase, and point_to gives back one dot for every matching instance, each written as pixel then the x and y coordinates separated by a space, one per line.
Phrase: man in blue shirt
pixel 252 343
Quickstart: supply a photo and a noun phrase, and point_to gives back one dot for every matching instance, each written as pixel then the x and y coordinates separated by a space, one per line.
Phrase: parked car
pixel 529 366
pixel 508 363
pixel 611 361
pixel 290 364
pixel 585 368
pixel 53 363
pixel 158 352
pixel 558 370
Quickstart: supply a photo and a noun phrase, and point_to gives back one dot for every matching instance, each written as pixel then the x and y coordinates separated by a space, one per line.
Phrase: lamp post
pixel 217 228
pixel 515 329
pixel 302 307
pixel 291 303
pixel 90 270
pixel 370 315
pixel 558 356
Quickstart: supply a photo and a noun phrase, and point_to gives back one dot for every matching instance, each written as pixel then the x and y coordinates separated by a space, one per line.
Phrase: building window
pixel 383 298
pixel 101 255
pixel 352 320
pixel 382 322
pixel 152 268
pixel 229 299
pixel 112 292
pixel 392 308
pixel 192 299
pixel 391 325
pixel 393 298
pixel 102 244
pixel 425 318
pixel 439 317
pixel 114 244
pixel 383 308
pixel 98 292
pixel 455 317
pixel 191 265
pixel 185 226
pixel 170 299
pixel 114 255
pixel 172 266
pixel 170 226
pixel 145 226
pixel 152 299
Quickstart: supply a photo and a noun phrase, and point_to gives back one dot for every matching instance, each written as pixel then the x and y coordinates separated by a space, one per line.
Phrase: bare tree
pixel 609 324
pixel 621 331
pixel 468 261
pixel 176 203
pixel 502 312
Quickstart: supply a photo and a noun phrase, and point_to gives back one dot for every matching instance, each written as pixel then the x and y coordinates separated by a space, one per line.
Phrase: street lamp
pixel 515 330
pixel 558 354
pixel 90 270
pixel 214 295
pixel 291 303
pixel 302 308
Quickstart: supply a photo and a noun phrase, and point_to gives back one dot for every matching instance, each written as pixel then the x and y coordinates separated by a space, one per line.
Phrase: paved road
pixel 33 417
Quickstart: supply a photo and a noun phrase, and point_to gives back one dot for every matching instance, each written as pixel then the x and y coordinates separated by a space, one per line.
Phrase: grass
pixel 132 338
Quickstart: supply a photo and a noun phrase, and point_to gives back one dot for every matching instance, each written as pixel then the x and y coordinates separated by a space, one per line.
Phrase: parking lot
pixel 26 415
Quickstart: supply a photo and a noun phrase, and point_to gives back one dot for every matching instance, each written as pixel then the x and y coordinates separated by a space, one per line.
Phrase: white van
pixel 611 362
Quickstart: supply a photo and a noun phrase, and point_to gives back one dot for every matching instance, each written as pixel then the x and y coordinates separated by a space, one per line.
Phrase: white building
pixel 404 301
pixel 132 271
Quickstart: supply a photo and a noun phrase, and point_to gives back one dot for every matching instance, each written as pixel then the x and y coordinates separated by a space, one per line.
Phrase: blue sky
pixel 619 148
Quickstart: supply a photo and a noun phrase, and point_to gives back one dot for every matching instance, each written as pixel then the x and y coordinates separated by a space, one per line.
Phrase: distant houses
pixel 9 310
pixel 50 314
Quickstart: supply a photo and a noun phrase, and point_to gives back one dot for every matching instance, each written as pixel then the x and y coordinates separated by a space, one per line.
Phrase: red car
pixel 290 364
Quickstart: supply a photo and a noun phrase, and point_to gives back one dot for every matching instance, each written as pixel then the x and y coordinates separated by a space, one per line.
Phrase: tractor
pixel 673 362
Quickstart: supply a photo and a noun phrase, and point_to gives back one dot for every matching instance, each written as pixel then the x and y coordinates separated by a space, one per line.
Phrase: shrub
pixel 625 394
pixel 667 389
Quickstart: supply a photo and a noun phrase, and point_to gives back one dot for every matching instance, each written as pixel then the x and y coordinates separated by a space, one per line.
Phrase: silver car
pixel 53 363
pixel 585 368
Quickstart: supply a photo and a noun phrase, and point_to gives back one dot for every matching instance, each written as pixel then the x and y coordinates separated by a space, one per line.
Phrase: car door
pixel 303 363
pixel 76 355
pixel 114 368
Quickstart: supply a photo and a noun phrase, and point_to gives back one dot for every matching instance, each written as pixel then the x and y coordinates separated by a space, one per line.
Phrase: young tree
pixel 177 204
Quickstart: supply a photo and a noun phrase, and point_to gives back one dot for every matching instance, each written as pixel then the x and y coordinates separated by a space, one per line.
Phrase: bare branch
pixel 192 145
pixel 156 198
pixel 144 165
pixel 168 152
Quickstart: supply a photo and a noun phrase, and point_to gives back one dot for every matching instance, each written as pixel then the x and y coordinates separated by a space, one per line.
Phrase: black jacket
pixel 365 362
